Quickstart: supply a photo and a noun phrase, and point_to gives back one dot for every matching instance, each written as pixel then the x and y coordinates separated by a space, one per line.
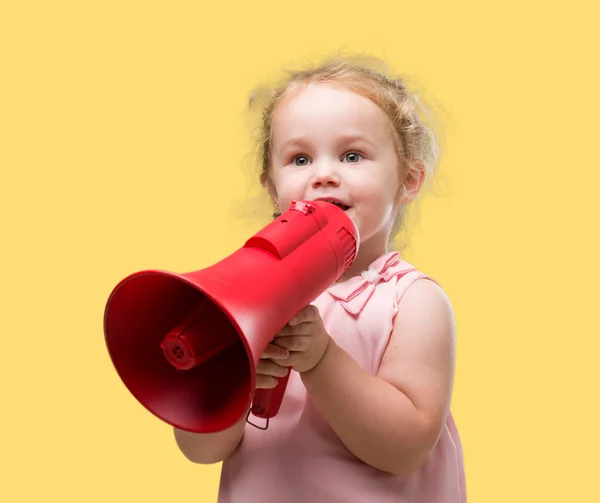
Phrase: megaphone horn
pixel 187 345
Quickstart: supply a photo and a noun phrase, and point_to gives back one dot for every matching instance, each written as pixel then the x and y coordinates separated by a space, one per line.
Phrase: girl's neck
pixel 368 253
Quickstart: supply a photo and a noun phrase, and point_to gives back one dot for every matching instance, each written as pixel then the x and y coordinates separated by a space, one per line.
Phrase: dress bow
pixel 354 293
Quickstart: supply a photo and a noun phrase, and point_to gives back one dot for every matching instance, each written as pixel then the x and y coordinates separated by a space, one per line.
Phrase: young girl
pixel 366 413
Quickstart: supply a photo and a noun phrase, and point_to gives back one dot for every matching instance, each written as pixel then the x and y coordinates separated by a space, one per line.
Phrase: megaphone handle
pixel 267 402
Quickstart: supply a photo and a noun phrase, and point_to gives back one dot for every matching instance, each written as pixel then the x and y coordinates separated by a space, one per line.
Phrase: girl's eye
pixel 300 157
pixel 352 156
pixel 302 160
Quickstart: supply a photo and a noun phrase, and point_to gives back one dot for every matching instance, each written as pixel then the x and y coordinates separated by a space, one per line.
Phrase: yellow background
pixel 123 146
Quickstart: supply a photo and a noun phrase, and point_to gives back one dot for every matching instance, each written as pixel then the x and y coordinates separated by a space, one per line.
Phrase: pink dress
pixel 299 459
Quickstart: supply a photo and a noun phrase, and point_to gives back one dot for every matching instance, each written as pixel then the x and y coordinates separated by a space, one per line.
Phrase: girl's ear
pixel 413 183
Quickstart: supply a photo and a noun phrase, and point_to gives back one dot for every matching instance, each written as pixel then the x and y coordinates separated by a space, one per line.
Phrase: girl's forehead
pixel 325 98
pixel 315 111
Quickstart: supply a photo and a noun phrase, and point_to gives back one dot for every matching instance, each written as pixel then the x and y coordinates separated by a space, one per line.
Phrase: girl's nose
pixel 325 176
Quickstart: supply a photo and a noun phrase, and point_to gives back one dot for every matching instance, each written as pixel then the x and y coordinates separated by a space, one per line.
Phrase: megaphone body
pixel 187 345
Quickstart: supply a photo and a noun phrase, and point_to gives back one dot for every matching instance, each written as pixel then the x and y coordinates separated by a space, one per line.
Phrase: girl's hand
pixel 300 345
pixel 305 338
pixel 269 368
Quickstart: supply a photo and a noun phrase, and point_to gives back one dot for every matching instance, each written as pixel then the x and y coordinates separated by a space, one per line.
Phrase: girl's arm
pixel 393 420
pixel 209 448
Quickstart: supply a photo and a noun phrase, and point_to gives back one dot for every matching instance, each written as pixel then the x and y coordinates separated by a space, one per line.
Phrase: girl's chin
pixel 352 214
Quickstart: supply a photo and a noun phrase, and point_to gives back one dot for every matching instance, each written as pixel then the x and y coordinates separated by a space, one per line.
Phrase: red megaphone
pixel 186 345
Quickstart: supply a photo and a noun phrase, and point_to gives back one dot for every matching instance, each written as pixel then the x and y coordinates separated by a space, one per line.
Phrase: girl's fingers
pixel 275 352
pixel 308 314
pixel 306 328
pixel 270 368
pixel 267 373
pixel 265 382
pixel 298 343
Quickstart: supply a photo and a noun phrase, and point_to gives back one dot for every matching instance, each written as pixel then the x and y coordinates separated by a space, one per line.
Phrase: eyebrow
pixel 346 138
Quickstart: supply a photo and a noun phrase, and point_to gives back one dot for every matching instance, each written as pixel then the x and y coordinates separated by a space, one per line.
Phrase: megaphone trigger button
pixel 302 207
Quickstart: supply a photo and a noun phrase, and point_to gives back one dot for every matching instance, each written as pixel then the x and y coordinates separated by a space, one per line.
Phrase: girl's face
pixel 331 143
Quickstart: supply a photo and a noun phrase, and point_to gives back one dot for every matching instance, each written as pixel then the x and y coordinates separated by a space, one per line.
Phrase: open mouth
pixel 339 204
